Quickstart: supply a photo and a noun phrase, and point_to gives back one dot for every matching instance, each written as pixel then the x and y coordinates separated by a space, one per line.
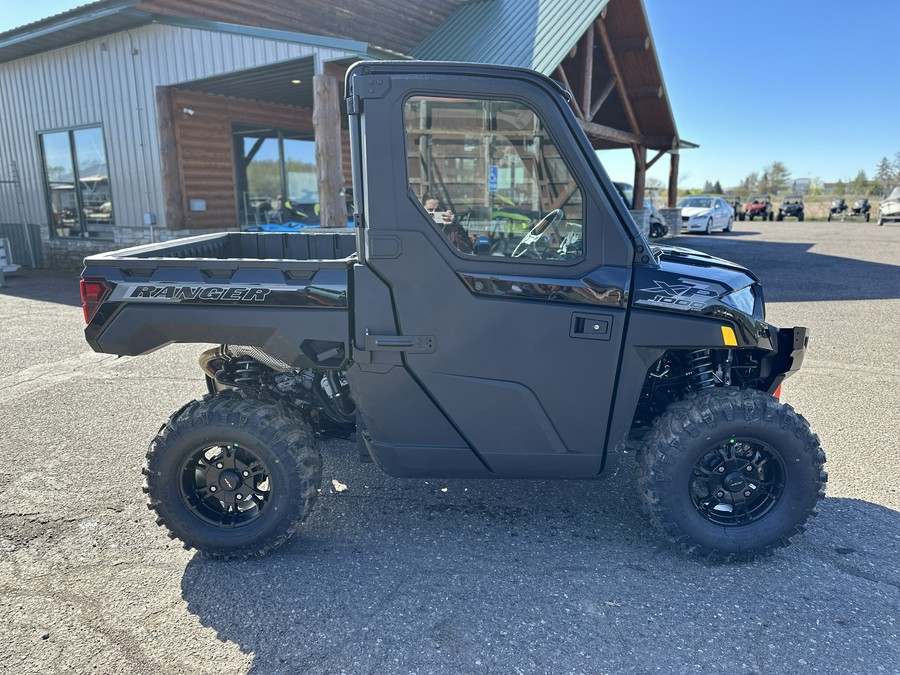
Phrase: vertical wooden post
pixel 673 180
pixel 329 160
pixel 640 175
pixel 168 155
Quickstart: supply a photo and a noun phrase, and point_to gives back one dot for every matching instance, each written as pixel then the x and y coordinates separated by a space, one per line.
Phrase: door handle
pixel 591 326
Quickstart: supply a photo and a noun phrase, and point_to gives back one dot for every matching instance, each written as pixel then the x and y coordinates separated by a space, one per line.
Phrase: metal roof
pixel 112 16
pixel 534 34
pixel 285 82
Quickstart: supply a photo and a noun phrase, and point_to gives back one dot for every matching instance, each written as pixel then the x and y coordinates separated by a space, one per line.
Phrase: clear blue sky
pixel 811 83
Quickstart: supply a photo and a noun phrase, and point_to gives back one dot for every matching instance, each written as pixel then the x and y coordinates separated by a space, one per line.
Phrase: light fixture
pixel 296 81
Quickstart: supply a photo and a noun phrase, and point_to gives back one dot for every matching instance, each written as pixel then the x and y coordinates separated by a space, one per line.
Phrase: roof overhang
pixel 104 18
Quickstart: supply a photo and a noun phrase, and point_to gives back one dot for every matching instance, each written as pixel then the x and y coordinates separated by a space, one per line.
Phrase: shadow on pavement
pixel 43 285
pixel 792 273
pixel 540 576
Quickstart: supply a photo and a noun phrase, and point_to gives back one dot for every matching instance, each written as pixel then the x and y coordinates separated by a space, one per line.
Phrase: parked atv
pixel 758 206
pixel 861 209
pixel 791 207
pixel 838 209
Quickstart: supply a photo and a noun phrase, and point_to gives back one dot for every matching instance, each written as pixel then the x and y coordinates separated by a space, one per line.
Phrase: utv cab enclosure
pixel 549 356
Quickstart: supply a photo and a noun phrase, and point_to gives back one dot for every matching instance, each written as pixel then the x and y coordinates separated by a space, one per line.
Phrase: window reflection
pixel 277 181
pixel 77 179
pixel 494 168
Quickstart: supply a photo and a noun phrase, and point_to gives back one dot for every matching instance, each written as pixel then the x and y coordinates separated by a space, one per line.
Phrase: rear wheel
pixel 232 476
pixel 730 224
pixel 731 474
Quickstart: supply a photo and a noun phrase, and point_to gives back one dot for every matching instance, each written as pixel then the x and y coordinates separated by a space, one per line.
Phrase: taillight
pixel 93 292
pixel 777 393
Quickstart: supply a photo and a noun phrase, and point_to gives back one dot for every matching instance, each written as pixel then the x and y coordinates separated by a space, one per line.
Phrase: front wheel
pixel 731 473
pixel 232 476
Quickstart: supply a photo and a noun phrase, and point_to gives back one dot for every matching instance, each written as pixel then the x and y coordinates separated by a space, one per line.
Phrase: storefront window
pixel 78 189
pixel 276 176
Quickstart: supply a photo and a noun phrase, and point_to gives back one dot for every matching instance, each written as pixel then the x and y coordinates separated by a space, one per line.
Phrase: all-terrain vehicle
pixel 861 209
pixel 791 207
pixel 574 348
pixel 758 206
pixel 837 209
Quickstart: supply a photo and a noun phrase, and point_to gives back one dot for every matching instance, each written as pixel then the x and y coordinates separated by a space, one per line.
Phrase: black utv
pixel 571 351
pixel 791 207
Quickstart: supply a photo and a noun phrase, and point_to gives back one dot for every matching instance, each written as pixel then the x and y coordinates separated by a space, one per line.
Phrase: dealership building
pixel 131 121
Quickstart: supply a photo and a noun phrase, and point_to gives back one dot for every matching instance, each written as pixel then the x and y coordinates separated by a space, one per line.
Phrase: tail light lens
pixel 93 293
pixel 777 393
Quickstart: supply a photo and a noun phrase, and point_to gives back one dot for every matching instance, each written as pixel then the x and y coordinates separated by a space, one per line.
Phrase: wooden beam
pixel 631 44
pixel 594 130
pixel 565 80
pixel 617 73
pixel 168 156
pixel 645 92
pixel 673 181
pixel 640 175
pixel 329 160
pixel 587 70
pixel 601 99
pixel 656 157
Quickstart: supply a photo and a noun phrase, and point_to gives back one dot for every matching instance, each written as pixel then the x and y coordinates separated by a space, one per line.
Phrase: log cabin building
pixel 130 121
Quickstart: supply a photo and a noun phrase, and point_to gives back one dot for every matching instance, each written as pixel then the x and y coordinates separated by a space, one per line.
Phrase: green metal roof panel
pixel 534 34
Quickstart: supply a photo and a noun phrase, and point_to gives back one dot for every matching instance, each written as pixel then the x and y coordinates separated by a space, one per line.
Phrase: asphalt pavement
pixel 452 576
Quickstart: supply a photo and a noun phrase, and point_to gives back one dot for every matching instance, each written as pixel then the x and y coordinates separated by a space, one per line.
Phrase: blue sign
pixel 492 178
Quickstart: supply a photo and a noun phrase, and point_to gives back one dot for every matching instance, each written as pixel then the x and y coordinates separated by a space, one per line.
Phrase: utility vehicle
pixel 758 206
pixel 791 207
pixel 575 347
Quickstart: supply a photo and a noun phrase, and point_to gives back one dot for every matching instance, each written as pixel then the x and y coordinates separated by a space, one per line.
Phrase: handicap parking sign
pixel 492 178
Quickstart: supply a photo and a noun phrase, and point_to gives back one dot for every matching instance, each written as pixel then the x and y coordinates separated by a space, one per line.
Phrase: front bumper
pixel 786 359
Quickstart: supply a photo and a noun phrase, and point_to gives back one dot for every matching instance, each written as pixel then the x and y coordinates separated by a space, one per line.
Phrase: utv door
pixel 507 316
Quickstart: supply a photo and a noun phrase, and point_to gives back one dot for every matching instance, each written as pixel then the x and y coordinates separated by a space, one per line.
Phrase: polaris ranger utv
pixel 549 358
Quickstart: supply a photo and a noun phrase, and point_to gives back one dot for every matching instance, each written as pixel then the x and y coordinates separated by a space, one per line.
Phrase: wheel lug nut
pixel 219 465
pixel 213 488
pixel 721 469
pixel 749 467
pixel 720 495
pixel 746 493
pixel 245 473
pixel 239 497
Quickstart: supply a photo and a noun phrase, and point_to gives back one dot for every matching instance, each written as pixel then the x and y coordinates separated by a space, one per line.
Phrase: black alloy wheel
pixel 731 474
pixel 737 482
pixel 233 475
pixel 226 485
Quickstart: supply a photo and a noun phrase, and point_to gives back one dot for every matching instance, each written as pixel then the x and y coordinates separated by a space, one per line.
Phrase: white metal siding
pixel 112 82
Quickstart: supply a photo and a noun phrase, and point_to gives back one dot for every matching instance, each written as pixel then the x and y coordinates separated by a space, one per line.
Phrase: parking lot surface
pixel 398 576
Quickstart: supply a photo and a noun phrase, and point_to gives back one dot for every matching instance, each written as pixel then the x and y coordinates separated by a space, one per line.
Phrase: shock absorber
pixel 701 373
pixel 247 372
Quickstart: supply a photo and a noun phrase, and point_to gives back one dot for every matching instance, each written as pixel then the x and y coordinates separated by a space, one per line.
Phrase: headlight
pixel 743 300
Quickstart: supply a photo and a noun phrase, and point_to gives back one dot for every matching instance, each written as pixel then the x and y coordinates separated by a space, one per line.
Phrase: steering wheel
pixel 537 232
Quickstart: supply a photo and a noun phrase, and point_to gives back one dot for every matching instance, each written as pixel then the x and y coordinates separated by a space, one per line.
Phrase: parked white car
pixel 705 214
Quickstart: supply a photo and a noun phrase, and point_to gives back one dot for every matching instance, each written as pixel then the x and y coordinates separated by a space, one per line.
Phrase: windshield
pixel 696 202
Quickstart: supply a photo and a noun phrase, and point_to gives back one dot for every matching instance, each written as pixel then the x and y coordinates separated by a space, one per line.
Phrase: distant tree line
pixel 776 179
